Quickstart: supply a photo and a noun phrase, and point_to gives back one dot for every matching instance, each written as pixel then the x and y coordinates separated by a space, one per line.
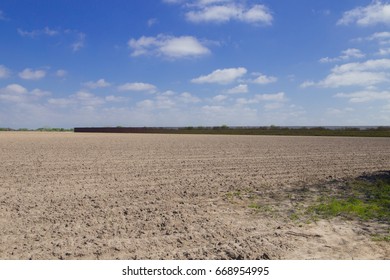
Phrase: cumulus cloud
pixel 368 73
pixel 168 46
pixel 40 93
pixel 4 72
pixel 137 87
pixel 222 11
pixel 375 13
pixel 61 102
pixel 88 99
pixel 242 88
pixel 274 97
pixel 353 78
pixel 187 97
pixel 19 94
pixel 219 98
pixel 345 55
pixel 221 76
pixel 263 79
pixel 81 98
pixel 365 96
pixel 169 100
pixel 383 51
pixel 228 12
pixel 101 83
pixel 369 65
pixel 14 89
pixel 29 74
pixel 307 84
pixel 383 38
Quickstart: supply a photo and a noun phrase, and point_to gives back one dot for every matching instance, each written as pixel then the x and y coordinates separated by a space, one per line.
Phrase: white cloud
pixel 168 46
pixel 221 76
pixel 76 36
pixel 336 111
pixel 306 84
pixel 152 21
pixel 187 97
pixel 271 97
pixel 345 55
pixel 381 37
pixel 29 74
pixel 164 102
pixel 4 72
pixel 19 94
pixel 375 13
pixel 365 96
pixel 50 32
pixel 172 1
pixel 81 98
pixel 61 73
pixel 384 51
pixel 354 78
pixel 263 80
pixel 79 43
pixel 219 98
pixel 369 65
pixel 182 47
pixel 38 32
pixel 274 97
pixel 145 104
pixel 40 93
pixel 101 83
pixel 61 102
pixel 242 88
pixel 212 11
pixel 88 99
pixel 137 87
pixel 368 73
pixel 273 106
pixel 14 89
pixel 113 98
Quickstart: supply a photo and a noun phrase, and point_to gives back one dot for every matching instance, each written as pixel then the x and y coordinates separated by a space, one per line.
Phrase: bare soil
pixel 151 196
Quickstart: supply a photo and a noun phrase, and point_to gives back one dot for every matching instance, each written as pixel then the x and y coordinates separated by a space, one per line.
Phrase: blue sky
pixel 69 63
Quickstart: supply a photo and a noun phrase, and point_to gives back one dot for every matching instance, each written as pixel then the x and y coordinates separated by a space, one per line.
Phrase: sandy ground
pixel 134 196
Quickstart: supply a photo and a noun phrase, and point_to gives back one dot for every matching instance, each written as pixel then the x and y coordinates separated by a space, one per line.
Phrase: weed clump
pixel 367 198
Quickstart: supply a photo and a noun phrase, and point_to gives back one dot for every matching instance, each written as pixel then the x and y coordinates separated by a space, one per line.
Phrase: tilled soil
pixel 152 196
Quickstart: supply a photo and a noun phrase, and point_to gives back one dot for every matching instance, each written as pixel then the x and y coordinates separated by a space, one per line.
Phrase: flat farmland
pixel 155 196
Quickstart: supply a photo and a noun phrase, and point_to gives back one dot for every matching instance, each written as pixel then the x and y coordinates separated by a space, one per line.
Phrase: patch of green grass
pixel 385 238
pixel 363 199
pixel 231 195
pixel 261 208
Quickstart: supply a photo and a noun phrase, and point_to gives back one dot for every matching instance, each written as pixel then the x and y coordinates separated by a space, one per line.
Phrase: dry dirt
pixel 149 196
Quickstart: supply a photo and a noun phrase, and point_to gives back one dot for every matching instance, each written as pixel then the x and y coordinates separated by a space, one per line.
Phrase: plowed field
pixel 151 196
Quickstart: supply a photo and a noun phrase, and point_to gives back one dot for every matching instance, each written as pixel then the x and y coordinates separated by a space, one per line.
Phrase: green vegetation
pixel 364 199
pixel 385 238
pixel 49 129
